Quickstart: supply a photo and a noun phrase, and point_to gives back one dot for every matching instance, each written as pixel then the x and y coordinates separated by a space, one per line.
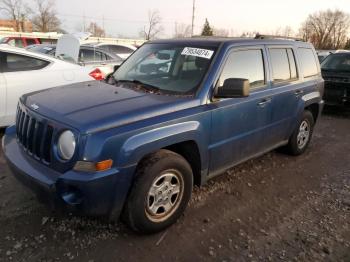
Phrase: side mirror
pixel 233 87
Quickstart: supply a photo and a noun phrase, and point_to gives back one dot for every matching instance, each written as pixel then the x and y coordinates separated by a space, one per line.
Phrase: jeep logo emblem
pixel 34 106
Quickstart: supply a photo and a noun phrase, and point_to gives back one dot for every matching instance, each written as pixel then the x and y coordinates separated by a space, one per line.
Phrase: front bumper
pixel 92 194
pixel 337 93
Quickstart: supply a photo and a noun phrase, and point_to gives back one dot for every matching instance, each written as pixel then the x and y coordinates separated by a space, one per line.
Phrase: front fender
pixel 137 146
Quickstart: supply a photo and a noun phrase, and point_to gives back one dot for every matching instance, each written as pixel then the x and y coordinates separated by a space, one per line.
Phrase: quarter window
pixel 15 63
pixel 247 64
pixel 283 64
pixel 308 62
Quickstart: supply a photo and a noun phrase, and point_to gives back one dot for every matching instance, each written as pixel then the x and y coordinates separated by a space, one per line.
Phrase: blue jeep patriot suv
pixel 175 114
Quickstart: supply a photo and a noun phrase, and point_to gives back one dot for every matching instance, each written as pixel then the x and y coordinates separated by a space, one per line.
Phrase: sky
pixel 127 18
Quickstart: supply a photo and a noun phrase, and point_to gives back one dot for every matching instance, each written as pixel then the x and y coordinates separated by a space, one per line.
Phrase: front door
pixel 240 124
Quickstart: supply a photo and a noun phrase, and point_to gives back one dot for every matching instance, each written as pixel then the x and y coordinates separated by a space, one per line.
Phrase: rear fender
pixel 305 101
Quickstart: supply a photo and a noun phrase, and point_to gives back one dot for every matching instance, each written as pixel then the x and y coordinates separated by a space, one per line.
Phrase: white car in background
pixel 22 71
pixel 121 50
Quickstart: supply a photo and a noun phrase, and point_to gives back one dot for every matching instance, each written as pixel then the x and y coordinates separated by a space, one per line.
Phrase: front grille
pixel 337 85
pixel 34 135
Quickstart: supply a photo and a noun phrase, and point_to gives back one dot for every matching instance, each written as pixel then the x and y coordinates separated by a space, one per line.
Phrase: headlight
pixel 66 145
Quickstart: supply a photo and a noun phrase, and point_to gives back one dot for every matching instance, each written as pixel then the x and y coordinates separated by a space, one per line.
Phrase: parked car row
pixel 20 41
pixel 102 57
pixel 91 57
pixel 22 71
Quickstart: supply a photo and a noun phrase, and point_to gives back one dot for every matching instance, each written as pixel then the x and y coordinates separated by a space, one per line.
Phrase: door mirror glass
pixel 233 87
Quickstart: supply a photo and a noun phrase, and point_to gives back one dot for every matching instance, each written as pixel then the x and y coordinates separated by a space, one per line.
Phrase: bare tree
pixel 326 29
pixel 284 31
pixel 16 10
pixel 45 18
pixel 154 27
pixel 96 30
pixel 182 30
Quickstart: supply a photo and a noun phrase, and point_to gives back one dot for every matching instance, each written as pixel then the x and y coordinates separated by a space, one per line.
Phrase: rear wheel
pixel 301 136
pixel 161 192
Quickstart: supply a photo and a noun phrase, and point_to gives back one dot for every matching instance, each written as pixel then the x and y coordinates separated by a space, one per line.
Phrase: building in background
pixel 10 25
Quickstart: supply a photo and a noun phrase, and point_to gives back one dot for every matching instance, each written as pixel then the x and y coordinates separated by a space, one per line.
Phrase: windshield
pixel 174 69
pixel 3 40
pixel 337 62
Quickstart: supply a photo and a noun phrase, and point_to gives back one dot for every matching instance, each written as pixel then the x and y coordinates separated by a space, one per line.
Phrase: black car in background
pixel 336 73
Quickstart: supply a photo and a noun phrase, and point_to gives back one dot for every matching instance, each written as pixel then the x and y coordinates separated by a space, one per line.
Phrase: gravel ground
pixel 272 208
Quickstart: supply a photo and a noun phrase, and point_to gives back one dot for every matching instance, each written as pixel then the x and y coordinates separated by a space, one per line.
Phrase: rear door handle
pixel 263 102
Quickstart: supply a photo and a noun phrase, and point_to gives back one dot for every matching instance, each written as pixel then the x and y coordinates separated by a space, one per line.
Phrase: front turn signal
pixel 85 166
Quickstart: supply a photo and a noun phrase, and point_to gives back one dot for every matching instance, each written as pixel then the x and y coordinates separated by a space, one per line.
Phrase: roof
pixel 103 43
pixel 6 47
pixel 216 41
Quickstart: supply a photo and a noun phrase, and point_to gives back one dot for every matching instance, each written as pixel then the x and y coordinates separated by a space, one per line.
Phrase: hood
pixel 336 76
pixel 93 106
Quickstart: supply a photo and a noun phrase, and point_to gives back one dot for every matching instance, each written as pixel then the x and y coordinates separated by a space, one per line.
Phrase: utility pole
pixel 193 11
pixel 84 22
pixel 103 26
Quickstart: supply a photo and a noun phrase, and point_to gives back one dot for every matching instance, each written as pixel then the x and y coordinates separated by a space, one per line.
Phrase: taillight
pixel 97 74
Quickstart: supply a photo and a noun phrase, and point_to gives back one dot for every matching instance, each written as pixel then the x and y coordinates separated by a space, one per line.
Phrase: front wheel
pixel 160 193
pixel 301 137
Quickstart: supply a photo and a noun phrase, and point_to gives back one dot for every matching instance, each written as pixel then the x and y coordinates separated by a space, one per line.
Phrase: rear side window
pixel 16 63
pixel 283 64
pixel 118 49
pixel 87 55
pixel 30 41
pixel 247 64
pixel 308 62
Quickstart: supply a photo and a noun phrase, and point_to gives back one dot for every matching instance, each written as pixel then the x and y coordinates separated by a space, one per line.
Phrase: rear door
pixel 289 84
pixel 239 124
pixel 286 92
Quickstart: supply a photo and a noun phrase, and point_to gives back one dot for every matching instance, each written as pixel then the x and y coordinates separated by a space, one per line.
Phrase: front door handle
pixel 263 102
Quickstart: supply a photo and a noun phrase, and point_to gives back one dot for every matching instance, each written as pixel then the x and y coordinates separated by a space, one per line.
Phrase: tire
pixel 153 203
pixel 299 142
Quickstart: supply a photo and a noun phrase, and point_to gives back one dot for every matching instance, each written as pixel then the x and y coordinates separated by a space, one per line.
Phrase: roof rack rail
pixel 259 36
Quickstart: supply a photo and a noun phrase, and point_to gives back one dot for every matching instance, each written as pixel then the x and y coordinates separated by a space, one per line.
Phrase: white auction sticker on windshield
pixel 204 53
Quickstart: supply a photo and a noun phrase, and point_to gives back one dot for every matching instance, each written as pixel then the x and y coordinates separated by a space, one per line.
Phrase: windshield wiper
pixel 138 82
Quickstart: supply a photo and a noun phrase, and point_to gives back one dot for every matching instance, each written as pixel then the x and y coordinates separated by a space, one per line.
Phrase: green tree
pixel 207 30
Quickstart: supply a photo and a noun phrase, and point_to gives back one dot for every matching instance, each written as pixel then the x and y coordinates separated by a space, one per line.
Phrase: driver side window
pixel 247 64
